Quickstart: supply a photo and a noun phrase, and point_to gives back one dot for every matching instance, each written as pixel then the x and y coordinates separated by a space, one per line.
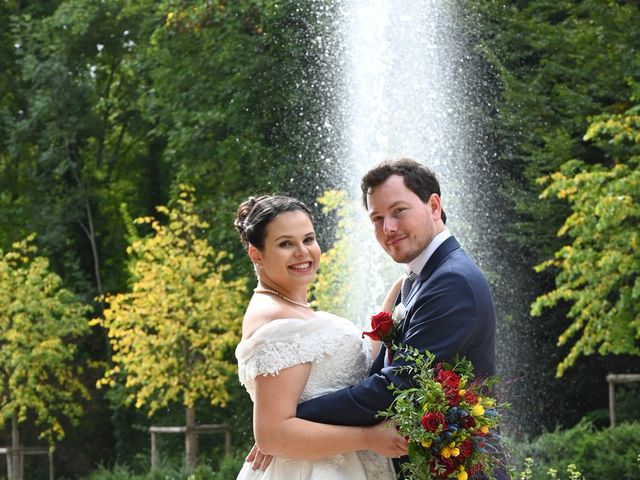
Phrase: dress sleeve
pixel 282 344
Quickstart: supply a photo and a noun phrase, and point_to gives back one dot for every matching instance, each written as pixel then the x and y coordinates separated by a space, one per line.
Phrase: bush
pixel 597 453
pixel 227 468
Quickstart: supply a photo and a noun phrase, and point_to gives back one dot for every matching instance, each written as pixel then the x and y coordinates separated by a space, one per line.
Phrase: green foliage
pixel 608 453
pixel 228 467
pixel 553 66
pixel 574 62
pixel 330 288
pixel 113 102
pixel 173 333
pixel 599 271
pixel 231 99
pixel 39 323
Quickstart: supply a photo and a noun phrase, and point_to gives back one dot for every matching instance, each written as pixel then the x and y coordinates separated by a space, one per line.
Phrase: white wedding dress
pixel 339 357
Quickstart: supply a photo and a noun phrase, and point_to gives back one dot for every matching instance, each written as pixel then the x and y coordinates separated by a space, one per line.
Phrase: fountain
pixel 407 82
pixel 403 92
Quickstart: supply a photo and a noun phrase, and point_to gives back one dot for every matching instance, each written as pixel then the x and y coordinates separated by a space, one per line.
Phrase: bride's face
pixel 291 254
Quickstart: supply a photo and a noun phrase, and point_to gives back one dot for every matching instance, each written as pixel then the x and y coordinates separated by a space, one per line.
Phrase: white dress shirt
pixel 417 264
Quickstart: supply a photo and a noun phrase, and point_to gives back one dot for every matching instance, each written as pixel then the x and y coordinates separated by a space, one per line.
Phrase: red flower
pixel 381 327
pixel 449 380
pixel 466 449
pixel 472 470
pixel 468 422
pixel 470 398
pixel 443 467
pixel 431 420
pixel 452 397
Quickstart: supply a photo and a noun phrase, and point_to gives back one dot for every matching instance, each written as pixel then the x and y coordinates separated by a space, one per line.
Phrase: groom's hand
pixel 259 459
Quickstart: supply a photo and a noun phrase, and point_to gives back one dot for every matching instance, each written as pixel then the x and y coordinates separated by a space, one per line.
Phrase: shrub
pixel 597 453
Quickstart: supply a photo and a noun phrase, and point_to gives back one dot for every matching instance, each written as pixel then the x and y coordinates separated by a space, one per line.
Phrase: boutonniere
pixel 384 326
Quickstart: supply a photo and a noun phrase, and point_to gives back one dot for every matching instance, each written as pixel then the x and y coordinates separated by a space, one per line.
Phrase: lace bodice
pixel 338 354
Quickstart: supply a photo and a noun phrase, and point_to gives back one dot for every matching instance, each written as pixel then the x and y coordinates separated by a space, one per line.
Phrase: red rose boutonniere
pixel 384 326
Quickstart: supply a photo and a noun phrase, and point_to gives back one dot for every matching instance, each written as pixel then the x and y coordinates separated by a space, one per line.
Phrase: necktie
pixel 406 286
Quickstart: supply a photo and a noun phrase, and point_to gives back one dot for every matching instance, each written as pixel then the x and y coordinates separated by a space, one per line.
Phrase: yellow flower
pixel 445 452
pixel 461 392
pixel 484 429
pixel 455 452
pixel 427 443
pixel 478 410
pixel 463 475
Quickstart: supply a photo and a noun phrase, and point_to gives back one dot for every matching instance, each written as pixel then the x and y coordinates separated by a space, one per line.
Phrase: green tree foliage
pixel 172 333
pixel 39 323
pixel 559 62
pixel 556 65
pixel 236 88
pixel 76 144
pixel 599 272
pixel 113 102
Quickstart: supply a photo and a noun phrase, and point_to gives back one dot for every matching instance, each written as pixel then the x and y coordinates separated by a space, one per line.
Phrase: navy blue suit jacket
pixel 449 311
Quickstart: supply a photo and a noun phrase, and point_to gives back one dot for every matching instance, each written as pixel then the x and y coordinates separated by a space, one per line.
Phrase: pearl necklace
pixel 287 299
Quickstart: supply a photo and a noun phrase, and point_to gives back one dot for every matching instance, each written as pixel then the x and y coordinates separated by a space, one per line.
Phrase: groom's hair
pixel 417 177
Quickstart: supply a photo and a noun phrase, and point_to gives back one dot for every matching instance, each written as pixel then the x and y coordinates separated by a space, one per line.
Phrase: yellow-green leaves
pixel 39 321
pixel 330 288
pixel 599 271
pixel 173 334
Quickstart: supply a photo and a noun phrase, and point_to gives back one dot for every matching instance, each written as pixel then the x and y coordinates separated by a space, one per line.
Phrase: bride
pixel 290 353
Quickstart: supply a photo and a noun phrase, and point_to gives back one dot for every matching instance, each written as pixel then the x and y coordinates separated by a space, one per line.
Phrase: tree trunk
pixel 191 439
pixel 16 456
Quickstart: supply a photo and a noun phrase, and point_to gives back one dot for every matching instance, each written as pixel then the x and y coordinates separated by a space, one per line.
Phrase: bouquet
pixel 448 417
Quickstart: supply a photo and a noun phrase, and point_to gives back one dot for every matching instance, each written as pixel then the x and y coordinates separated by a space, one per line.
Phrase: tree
pixel 573 63
pixel 174 333
pixel 599 272
pixel 39 322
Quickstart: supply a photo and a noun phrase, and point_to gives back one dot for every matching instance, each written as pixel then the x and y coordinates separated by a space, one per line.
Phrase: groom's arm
pixel 353 405
pixel 441 321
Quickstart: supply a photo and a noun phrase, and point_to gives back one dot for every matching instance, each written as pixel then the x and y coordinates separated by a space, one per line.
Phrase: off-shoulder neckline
pixel 317 316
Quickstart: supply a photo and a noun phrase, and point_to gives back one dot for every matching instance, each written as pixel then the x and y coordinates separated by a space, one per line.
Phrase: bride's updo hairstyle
pixel 255 213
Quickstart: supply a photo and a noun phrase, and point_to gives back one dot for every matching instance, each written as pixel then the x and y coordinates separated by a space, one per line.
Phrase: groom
pixel 448 302
pixel 449 306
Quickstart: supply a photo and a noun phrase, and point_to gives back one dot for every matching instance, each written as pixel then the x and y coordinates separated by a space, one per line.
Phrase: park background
pixel 110 109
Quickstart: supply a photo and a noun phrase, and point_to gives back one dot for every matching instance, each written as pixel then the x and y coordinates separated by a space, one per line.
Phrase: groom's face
pixel 404 224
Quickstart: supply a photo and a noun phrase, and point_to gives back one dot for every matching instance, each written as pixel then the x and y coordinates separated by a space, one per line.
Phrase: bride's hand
pixel 392 294
pixel 387 441
pixel 260 460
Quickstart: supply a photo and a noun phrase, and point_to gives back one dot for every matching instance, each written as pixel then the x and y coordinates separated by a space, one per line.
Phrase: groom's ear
pixel 435 205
